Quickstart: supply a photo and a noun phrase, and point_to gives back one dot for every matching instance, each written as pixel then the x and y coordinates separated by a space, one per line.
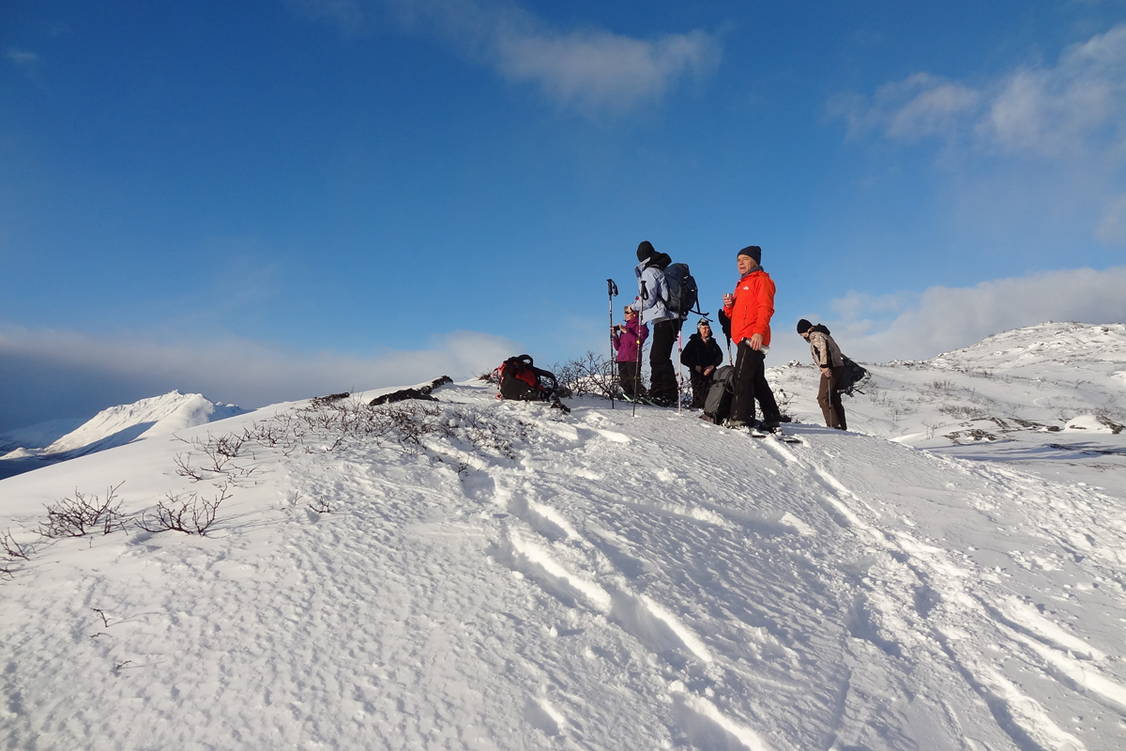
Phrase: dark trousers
pixel 700 385
pixel 830 400
pixel 750 384
pixel 629 375
pixel 662 375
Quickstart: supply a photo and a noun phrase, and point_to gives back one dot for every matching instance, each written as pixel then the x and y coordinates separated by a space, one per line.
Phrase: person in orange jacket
pixel 750 307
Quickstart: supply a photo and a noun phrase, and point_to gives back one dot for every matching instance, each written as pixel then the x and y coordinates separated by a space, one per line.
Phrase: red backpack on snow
pixel 520 379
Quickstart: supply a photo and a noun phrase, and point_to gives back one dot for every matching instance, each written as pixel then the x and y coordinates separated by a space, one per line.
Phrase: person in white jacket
pixel 652 293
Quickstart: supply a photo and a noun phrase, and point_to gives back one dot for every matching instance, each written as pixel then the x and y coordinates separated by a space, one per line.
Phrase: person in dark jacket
pixel 702 356
pixel 826 356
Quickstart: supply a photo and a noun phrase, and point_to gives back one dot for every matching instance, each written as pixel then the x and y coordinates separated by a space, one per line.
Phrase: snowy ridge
pixel 1050 399
pixel 494 575
pixel 117 426
pixel 158 415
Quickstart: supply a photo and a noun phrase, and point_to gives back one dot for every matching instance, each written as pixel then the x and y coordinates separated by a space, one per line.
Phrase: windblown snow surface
pixel 475 574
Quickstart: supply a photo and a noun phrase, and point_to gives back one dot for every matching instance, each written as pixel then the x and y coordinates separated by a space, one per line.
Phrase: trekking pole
pixel 637 365
pixel 679 374
pixel 611 293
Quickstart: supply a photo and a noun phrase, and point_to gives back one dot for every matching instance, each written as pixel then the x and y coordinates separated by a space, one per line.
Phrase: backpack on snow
pixel 851 376
pixel 717 403
pixel 520 379
pixel 683 293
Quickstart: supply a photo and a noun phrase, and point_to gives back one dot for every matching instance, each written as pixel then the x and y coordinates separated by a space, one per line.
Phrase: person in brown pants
pixel 827 356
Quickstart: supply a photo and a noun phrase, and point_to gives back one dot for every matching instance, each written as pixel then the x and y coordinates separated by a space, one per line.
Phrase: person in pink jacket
pixel 628 338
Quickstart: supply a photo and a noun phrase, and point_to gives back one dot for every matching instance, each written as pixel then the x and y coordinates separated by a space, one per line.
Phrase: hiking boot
pixel 735 424
pixel 769 426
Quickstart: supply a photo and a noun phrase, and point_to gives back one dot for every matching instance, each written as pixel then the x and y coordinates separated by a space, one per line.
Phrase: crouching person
pixel 827 356
pixel 702 355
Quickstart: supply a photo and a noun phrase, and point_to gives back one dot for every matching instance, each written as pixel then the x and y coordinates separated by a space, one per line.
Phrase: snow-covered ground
pixel 1047 399
pixel 475 574
pixel 40 445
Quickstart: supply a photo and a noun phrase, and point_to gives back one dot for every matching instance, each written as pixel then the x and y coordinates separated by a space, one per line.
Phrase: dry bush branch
pixel 185 512
pixel 589 374
pixel 82 514
pixel 14 549
pixel 184 468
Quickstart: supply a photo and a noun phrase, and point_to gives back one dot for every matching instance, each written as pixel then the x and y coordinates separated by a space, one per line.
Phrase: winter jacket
pixel 625 340
pixel 700 354
pixel 652 272
pixel 825 352
pixel 754 305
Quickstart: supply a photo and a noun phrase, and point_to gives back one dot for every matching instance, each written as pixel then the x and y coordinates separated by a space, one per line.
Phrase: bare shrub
pixel 976 434
pixel 81 514
pixel 783 398
pixel 321 506
pixel 589 374
pixel 185 468
pixel 13 549
pixel 1104 417
pixel 963 412
pixel 189 513
pixel 229 445
pixel 12 552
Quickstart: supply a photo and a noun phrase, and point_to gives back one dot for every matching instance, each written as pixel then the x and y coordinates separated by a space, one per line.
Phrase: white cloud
pixel 591 70
pixel 346 15
pixel 1039 149
pixel 921 105
pixel 21 58
pixel 598 70
pixel 43 369
pixel 1079 104
pixel 945 318
pixel 1056 110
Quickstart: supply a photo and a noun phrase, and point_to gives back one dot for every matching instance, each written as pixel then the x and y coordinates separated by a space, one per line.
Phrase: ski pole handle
pixel 611 288
pixel 644 290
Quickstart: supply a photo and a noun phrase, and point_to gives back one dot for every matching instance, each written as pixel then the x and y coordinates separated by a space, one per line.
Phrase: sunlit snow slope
pixel 1047 399
pixel 475 574
pixel 116 426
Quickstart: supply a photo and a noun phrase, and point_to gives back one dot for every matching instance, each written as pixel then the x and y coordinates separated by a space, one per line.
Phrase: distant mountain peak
pixel 123 423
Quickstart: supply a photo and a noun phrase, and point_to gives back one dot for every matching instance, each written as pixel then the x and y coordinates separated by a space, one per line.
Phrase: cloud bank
pixel 1066 121
pixel 51 374
pixel 593 71
pixel 940 319
pixel 1077 105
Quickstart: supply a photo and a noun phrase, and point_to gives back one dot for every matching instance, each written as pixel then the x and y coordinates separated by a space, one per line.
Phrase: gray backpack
pixel 717 404
pixel 683 295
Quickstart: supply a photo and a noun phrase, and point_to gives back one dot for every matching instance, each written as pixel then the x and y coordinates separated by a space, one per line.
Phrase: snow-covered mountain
pixel 477 574
pixel 114 426
pixel 1050 399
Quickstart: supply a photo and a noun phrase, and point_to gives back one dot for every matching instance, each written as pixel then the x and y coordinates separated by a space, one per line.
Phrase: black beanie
pixel 644 250
pixel 753 251
pixel 804 326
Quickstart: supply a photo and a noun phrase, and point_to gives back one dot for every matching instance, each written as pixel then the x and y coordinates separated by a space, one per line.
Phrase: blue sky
pixel 263 200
